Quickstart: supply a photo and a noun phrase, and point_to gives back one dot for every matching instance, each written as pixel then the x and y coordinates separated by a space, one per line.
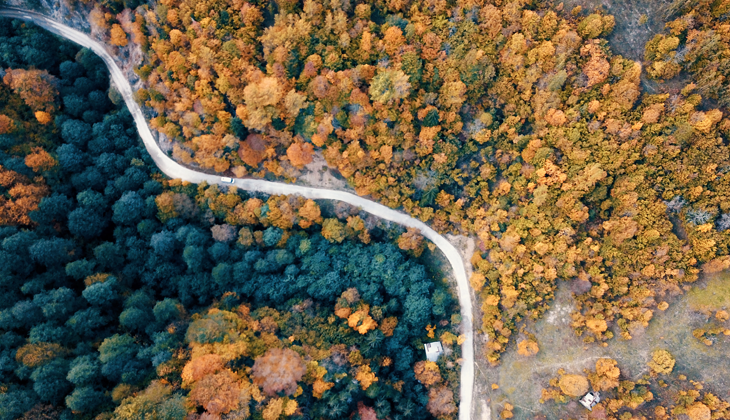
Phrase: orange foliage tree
pixel 300 154
pixel 23 197
pixel 427 372
pixel 218 393
pixel 40 160
pixel 118 36
pixel 441 401
pixel 6 124
pixel 411 240
pixel 37 88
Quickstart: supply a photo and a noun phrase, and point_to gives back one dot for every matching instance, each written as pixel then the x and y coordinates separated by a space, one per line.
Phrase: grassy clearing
pixel 712 296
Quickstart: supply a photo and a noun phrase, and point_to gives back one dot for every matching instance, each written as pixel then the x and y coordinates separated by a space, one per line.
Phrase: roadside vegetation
pixel 513 122
pixel 510 121
pixel 127 295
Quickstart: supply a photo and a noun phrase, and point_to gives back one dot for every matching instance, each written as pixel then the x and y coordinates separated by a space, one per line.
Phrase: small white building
pixel 590 400
pixel 433 350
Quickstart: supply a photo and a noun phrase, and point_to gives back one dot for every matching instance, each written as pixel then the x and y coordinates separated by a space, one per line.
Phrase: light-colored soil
pixel 629 35
pixel 521 379
pixel 317 174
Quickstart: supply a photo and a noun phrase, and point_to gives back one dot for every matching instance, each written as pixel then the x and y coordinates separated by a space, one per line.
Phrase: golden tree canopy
pixel 606 376
pixel 699 411
pixel 37 88
pixel 427 372
pixel 573 385
pixel 361 321
pixel 118 36
pixel 365 376
pixel 43 117
pixel 40 160
pixel 661 362
pixel 527 348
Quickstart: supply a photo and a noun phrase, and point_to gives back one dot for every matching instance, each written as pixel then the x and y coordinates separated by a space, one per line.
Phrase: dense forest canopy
pixel 508 120
pixel 127 295
pixel 511 121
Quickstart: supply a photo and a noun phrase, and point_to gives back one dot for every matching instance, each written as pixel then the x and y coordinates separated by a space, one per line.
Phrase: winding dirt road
pixel 174 170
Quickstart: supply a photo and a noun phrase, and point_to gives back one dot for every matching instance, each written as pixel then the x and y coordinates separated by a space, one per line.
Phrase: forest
pixel 510 121
pixel 128 295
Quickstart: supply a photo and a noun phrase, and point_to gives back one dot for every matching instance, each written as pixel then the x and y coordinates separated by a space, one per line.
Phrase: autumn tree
pixel 278 370
pixel 37 88
pixel 219 393
pixel 527 347
pixel 40 160
pixel 661 362
pixel 361 321
pixel 441 401
pixel 333 230
pixel 118 36
pixel 300 154
pixel 573 385
pixel 199 367
pixel 411 240
pixel 427 373
pixel 6 124
pixel 606 376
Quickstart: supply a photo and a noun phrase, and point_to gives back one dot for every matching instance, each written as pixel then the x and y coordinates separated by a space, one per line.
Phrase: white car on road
pixel 227 180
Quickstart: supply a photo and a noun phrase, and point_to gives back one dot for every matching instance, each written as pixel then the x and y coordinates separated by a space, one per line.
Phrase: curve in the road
pixel 174 170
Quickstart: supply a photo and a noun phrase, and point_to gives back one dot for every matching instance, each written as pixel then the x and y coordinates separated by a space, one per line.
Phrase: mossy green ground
pixel 521 378
pixel 713 296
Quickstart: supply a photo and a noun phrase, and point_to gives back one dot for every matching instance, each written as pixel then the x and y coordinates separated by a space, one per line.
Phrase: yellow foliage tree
pixel 333 230
pixel 117 36
pixel 527 348
pixel 699 411
pixel 365 376
pixel 309 214
pixel 427 372
pixel 661 362
pixel 606 376
pixel 273 409
pixel 573 385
